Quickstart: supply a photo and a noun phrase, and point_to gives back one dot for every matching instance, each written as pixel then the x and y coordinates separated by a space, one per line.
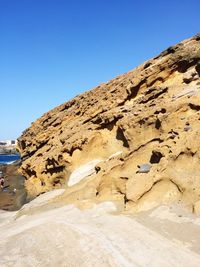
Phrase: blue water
pixel 6 159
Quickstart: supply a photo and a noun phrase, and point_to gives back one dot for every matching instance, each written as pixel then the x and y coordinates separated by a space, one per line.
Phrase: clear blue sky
pixel 52 50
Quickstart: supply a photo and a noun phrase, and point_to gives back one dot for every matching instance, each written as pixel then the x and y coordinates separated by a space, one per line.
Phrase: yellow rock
pixel 150 115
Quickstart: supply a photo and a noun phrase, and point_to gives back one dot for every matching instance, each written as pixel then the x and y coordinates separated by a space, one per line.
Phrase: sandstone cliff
pixel 134 140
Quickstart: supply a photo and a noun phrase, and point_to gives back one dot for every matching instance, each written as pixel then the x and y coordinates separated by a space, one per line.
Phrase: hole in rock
pixel 57 182
pixel 170 50
pixel 121 137
pixel 30 172
pixel 198 69
pixel 147 65
pixel 197 38
pixel 155 157
pixel 54 170
pixel 22 144
pixel 97 169
pixel 133 91
pixel 52 161
pixel 125 199
pixel 43 183
pixel 163 110
pixel 141 122
pixel 194 107
pixel 183 65
pixel 60 157
pixel 157 124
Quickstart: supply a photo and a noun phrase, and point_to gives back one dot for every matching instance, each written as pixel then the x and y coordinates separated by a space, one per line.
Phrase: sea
pixel 8 158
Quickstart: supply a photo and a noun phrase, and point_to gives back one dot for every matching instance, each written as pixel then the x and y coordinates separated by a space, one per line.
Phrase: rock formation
pixel 134 140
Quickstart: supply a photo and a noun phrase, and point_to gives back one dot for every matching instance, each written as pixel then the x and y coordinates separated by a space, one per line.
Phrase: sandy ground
pixel 42 234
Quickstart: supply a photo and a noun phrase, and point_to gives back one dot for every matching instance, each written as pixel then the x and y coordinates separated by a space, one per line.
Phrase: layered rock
pixel 133 140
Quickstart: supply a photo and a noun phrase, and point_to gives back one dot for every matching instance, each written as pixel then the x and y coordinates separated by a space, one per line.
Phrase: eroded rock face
pixel 148 118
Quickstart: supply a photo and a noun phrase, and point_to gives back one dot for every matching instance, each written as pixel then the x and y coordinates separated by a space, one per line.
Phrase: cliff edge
pixel 133 140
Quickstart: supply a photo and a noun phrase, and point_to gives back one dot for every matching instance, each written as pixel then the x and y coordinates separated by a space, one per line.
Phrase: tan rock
pixel 163 192
pixel 150 115
pixel 197 207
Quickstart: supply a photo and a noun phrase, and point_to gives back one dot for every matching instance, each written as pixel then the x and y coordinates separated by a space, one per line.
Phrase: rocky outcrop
pixel 133 140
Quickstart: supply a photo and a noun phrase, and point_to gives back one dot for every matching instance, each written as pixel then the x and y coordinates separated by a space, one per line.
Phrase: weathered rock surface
pixel 142 129
pixel 43 233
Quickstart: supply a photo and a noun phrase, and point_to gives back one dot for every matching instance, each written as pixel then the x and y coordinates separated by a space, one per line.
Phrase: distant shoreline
pixel 8 150
pixel 13 153
pixel 7 159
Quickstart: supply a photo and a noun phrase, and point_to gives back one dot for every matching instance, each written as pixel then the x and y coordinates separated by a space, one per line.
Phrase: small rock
pixel 144 168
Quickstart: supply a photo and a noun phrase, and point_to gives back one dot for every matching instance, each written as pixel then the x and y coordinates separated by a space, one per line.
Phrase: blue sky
pixel 52 50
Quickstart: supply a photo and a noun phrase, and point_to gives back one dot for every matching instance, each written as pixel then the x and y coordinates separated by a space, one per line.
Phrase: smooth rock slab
pixel 67 236
pixel 83 172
